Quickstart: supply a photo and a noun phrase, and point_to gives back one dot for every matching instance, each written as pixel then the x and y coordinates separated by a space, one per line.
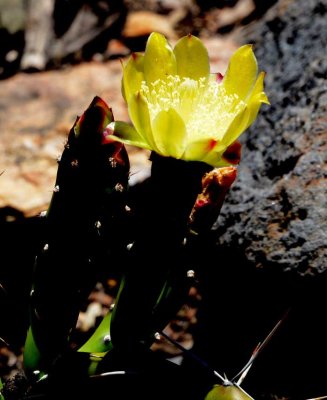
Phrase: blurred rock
pixel 160 6
pixel 220 49
pixel 54 32
pixel 142 23
pixel 222 19
pixel 38 34
pixel 85 30
pixel 12 15
pixel 276 212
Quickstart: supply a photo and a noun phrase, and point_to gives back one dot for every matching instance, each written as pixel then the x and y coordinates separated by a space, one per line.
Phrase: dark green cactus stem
pixel 155 267
pixel 84 219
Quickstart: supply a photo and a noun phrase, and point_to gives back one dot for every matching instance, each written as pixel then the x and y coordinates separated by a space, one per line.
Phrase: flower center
pixel 205 107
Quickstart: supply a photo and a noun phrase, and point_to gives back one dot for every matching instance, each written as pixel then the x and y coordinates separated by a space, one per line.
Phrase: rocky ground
pixel 270 251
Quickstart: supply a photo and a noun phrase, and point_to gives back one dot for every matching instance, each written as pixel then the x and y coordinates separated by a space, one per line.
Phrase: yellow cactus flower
pixel 178 109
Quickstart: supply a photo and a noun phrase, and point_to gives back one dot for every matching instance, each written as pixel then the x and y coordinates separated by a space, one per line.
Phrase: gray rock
pixel 276 211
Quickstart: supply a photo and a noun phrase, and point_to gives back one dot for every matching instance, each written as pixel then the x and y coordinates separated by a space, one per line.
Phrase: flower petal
pixel 139 113
pixel 241 72
pixel 208 150
pixel 220 155
pixel 198 149
pixel 256 98
pixel 211 150
pixel 159 59
pixel 216 159
pixel 236 127
pixel 247 114
pixel 192 58
pixel 125 133
pixel 188 91
pixel 132 75
pixel 170 133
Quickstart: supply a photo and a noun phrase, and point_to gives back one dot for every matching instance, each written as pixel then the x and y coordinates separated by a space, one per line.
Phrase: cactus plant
pixel 171 97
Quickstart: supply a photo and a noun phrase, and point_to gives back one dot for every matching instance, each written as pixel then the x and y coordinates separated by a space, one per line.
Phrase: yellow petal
pixel 259 89
pixel 247 114
pixel 256 98
pixel 139 113
pixel 192 58
pixel 189 91
pixel 215 159
pixel 213 155
pixel 198 149
pixel 241 72
pixel 220 156
pixel 159 59
pixel 170 133
pixel 132 75
pixel 125 133
pixel 236 127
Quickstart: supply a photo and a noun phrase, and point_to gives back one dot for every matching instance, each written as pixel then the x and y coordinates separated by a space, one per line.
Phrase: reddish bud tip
pixel 227 176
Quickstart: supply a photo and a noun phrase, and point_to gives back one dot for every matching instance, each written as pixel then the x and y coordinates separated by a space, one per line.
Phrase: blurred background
pixel 268 252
